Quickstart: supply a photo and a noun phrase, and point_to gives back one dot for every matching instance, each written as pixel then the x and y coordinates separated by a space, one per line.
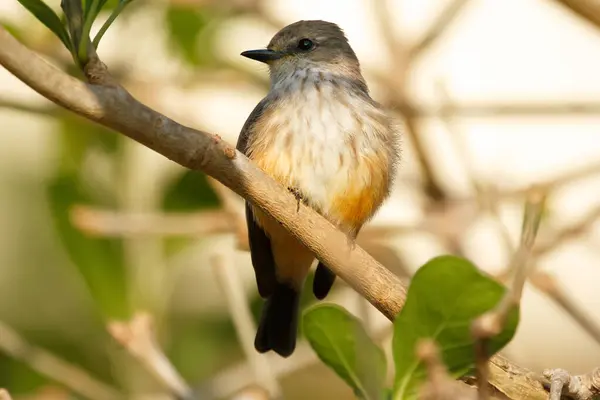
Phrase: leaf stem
pixel 85 33
pixel 109 21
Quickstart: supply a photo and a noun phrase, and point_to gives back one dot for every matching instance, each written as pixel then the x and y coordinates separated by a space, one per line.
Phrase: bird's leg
pixel 351 238
pixel 351 241
pixel 298 195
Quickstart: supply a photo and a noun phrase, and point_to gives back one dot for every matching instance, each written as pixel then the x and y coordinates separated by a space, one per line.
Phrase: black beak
pixel 263 55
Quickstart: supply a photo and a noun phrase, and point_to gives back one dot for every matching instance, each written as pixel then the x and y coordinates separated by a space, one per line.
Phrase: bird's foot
pixel 351 243
pixel 299 197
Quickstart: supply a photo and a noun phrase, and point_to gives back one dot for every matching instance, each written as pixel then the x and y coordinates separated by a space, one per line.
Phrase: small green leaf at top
pixel 47 17
pixel 444 298
pixel 342 343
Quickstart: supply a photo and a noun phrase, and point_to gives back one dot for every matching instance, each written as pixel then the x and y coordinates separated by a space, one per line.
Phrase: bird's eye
pixel 305 44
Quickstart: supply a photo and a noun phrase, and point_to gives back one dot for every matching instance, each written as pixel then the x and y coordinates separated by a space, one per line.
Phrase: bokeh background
pixel 94 228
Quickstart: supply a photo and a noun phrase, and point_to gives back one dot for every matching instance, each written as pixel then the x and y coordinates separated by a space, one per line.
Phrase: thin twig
pixel 15 105
pixel 579 387
pixel 548 285
pixel 439 385
pixel 492 322
pixel 395 81
pixel 439 26
pixel 234 207
pixel 589 10
pixel 137 336
pixel 485 194
pixel 558 380
pixel 109 223
pixel 569 232
pixel 46 363
pixel 240 312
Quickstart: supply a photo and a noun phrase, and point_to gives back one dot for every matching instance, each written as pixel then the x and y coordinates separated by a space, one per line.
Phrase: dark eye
pixel 305 44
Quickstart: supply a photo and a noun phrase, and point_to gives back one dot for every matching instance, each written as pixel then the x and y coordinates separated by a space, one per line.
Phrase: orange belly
pixel 352 198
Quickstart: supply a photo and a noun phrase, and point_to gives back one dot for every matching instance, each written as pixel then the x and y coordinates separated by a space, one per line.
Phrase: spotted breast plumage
pixel 318 133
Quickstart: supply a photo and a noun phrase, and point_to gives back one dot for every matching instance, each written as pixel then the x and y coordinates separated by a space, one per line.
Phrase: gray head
pixel 317 44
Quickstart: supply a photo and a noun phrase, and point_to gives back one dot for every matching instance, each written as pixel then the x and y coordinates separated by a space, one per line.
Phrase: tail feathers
pixel 279 322
pixel 323 282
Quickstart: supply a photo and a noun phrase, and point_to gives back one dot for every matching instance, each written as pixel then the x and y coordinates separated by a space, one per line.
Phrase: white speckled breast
pixel 324 138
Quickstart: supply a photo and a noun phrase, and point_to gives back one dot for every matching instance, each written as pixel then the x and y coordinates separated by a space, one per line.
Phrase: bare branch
pixel 492 322
pixel 569 232
pixel 486 195
pixel 558 379
pixel 112 223
pixel 4 395
pixel 548 285
pixel 439 385
pixel 395 81
pixel 497 110
pixel 240 377
pixel 515 382
pixel 107 103
pixel 137 336
pixel 579 387
pixel 27 107
pixel 234 206
pixel 586 9
pixel 439 26
pixel 240 312
pixel 252 393
pixel 46 363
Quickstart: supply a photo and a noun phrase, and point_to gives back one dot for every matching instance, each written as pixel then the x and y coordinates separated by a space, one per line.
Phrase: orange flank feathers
pixel 367 187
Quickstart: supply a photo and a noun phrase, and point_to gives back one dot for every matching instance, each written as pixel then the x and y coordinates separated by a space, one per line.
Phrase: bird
pixel 318 133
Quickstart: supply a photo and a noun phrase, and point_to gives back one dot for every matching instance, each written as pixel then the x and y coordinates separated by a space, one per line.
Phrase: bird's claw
pixel 299 197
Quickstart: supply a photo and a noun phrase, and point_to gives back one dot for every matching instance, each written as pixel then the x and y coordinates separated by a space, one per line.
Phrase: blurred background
pixel 111 254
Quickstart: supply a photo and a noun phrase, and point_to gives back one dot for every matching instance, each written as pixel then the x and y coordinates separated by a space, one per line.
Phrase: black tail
pixel 279 322
pixel 323 282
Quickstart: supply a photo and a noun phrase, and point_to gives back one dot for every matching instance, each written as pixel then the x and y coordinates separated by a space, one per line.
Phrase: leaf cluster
pixel 73 28
pixel 445 296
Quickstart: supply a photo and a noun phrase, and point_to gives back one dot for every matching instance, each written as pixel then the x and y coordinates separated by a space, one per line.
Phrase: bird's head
pixel 317 45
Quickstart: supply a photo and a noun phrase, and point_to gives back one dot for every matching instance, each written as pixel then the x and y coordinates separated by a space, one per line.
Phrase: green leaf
pixel 110 20
pixel 45 14
pixel 100 261
pixel 444 297
pixel 341 342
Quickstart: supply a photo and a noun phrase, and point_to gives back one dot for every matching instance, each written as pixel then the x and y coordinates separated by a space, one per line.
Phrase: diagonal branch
pixel 109 104
pixel 113 107
pixel 439 26
pixel 48 364
pixel 586 9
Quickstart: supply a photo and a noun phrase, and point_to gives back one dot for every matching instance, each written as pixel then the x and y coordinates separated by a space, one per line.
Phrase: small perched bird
pixel 318 133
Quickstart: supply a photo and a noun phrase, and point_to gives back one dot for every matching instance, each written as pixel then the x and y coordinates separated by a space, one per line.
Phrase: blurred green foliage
pixel 190 192
pixel 99 260
pixel 191 32
pixel 197 345
pixel 19 377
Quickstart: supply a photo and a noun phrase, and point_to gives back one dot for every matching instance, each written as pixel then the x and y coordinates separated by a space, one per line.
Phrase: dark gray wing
pixel 260 245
